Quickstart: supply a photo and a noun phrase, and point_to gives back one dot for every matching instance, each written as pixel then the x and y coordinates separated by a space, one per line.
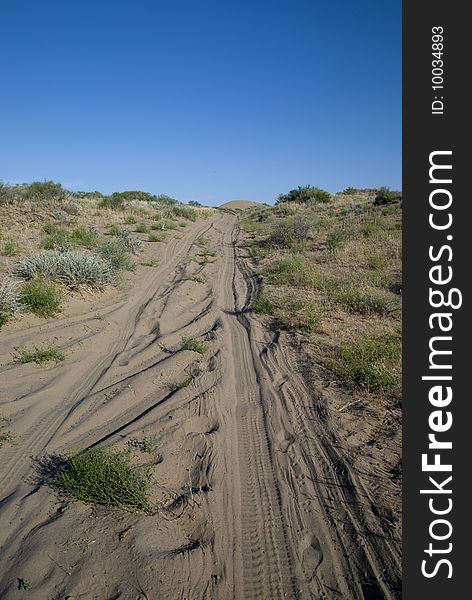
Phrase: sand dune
pixel 257 499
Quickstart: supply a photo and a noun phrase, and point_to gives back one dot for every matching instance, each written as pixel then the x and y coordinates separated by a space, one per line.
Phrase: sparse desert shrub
pixel 152 237
pixel 130 220
pixel 194 345
pixel 387 196
pixel 114 202
pixel 6 436
pixel 59 239
pixel 292 232
pixel 296 270
pixel 263 304
pixel 335 240
pixel 61 215
pixel 9 301
pixel 10 248
pixel 117 254
pixel 106 477
pixel 305 194
pixel 41 298
pixel 71 268
pixel 185 212
pixel 299 314
pixel 365 301
pixel 85 236
pixel 371 362
pixel 131 243
pixel 44 191
pixel 39 355
pixel 9 194
pixel 142 228
pixel 166 200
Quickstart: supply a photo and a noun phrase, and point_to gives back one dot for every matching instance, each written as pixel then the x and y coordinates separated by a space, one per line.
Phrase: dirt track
pixel 263 506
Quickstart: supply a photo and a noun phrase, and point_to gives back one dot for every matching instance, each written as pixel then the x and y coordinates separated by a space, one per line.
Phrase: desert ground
pixel 270 477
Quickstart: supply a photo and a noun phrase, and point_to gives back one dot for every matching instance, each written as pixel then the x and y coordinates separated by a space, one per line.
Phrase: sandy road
pixel 257 500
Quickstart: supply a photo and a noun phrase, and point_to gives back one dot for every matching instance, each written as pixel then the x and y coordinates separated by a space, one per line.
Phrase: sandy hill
pixel 240 204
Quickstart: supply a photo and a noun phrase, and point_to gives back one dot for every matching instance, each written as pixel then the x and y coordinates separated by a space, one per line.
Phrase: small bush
pixel 142 228
pixel 335 240
pixel 106 477
pixel 71 268
pixel 9 301
pixel 6 436
pixel 10 248
pixel 193 345
pixel 293 232
pixel 44 191
pixel 371 362
pixel 130 220
pixel 186 212
pixel 263 304
pixel 85 236
pixel 58 240
pixel 39 355
pixel 298 314
pixel 40 298
pixel 364 301
pixel 297 271
pixel 116 253
pixel 306 194
pixel 152 237
pixel 9 194
pixel 387 196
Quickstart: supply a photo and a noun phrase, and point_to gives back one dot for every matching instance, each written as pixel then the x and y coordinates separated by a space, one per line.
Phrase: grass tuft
pixel 39 355
pixel 193 345
pixel 372 362
pixel 106 477
pixel 40 298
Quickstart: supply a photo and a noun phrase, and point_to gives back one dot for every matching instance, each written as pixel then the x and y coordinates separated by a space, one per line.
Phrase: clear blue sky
pixel 210 101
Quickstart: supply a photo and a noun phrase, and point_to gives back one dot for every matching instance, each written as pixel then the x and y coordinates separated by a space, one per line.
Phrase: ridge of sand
pixel 258 500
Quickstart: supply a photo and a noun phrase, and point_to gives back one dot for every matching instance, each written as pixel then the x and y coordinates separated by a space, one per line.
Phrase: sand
pixel 257 501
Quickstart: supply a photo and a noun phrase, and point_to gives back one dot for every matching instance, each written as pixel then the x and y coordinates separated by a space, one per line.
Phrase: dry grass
pixel 334 271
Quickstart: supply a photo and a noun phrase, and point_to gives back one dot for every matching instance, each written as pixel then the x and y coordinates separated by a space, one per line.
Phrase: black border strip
pixel 424 133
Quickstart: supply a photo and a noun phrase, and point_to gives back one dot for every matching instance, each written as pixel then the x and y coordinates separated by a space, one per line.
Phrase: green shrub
pixel 85 236
pixel 387 196
pixel 263 304
pixel 142 228
pixel 152 237
pixel 39 355
pixel 193 345
pixel 106 477
pixel 42 191
pixel 40 298
pixel 130 220
pixel 71 268
pixel 116 253
pixel 371 362
pixel 306 194
pixel 185 212
pixel 297 271
pixel 58 240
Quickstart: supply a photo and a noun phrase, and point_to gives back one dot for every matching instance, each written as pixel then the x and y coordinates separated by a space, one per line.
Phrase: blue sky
pixel 207 101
